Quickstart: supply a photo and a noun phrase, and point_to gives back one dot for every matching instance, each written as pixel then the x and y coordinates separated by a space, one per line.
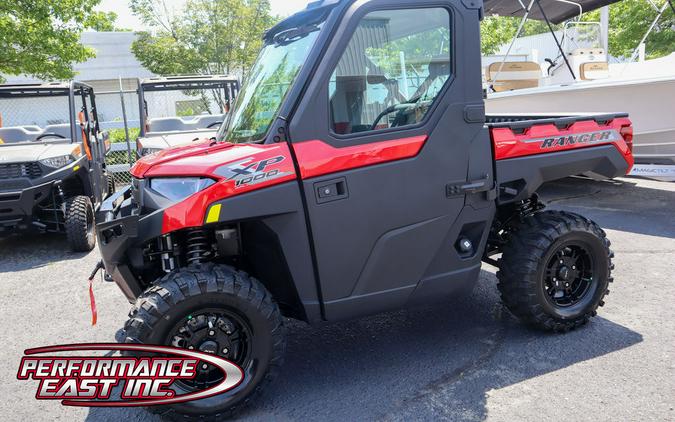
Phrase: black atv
pixel 52 161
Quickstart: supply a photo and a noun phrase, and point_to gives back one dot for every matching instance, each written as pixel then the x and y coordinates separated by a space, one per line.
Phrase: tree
pixel 628 23
pixel 41 38
pixel 496 31
pixel 206 37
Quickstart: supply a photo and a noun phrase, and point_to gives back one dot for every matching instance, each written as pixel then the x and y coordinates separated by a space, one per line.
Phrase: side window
pixel 393 69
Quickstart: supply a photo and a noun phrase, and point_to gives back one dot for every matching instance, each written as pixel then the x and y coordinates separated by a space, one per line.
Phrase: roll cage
pixel 87 121
pixel 228 84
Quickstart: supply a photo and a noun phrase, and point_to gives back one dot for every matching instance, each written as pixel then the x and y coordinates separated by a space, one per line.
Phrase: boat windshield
pixel 582 35
pixel 266 87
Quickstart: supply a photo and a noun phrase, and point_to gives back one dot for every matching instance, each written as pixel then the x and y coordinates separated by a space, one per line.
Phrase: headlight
pixel 177 189
pixel 58 162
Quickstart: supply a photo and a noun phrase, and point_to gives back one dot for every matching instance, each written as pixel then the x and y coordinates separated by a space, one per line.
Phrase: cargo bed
pixel 531 150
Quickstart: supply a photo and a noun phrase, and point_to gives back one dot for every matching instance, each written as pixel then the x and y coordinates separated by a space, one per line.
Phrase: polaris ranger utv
pixel 357 173
pixel 52 161
pixel 179 110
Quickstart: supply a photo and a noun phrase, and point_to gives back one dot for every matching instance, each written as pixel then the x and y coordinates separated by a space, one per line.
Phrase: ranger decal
pixel 580 138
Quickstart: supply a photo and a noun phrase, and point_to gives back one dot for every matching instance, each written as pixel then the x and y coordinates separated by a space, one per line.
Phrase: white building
pixel 114 60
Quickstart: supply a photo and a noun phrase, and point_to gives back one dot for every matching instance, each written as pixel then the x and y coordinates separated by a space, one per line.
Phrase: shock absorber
pixel 165 244
pixel 197 246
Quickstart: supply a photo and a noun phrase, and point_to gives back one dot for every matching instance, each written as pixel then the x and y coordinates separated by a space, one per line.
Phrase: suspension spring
pixel 197 246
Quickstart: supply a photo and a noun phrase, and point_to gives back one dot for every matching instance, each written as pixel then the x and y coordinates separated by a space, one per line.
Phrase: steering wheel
pixel 396 107
pixel 44 135
pixel 214 124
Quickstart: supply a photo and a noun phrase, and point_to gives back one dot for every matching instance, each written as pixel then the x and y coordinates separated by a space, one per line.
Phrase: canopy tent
pixel 556 11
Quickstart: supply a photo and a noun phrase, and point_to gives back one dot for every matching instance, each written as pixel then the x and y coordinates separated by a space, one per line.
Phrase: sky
pixel 126 20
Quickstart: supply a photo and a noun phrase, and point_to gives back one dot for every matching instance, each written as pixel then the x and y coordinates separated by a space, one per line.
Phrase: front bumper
pixel 17 208
pixel 122 232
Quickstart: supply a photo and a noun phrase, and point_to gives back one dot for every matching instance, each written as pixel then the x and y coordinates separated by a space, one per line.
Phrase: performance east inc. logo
pixel 153 375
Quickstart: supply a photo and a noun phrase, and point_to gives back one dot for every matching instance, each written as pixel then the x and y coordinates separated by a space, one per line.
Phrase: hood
pixel 170 140
pixel 208 159
pixel 29 152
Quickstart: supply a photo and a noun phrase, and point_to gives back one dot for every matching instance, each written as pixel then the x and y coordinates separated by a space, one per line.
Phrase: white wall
pixel 113 59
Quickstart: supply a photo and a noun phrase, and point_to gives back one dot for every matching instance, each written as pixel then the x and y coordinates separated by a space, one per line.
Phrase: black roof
pixel 170 83
pixel 48 89
pixel 556 10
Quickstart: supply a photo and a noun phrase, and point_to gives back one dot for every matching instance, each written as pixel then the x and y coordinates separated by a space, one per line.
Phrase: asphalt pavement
pixel 466 360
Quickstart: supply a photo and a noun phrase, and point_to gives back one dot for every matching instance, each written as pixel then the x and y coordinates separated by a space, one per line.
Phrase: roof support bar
pixel 513 40
pixel 550 28
pixel 649 31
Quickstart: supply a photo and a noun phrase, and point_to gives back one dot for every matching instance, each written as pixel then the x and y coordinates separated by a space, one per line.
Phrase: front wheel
pixel 214 309
pixel 79 223
pixel 555 270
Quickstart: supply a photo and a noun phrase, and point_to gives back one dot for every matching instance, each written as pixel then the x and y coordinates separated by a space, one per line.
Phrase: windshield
pixel 267 85
pixel 34 119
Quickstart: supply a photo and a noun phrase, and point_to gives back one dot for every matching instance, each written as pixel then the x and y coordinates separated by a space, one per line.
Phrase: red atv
pixel 357 173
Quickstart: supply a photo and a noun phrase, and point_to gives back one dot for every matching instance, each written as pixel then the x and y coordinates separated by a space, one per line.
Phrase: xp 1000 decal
pixel 154 375
pixel 247 173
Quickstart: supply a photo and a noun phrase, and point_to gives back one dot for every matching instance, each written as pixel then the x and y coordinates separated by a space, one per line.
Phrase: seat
pixel 206 120
pixel 184 124
pixel 590 71
pixel 513 75
pixel 62 130
pixel 16 134
pixel 166 124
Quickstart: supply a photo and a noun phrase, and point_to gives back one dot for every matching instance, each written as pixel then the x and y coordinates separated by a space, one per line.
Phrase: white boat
pixel 644 89
pixel 649 99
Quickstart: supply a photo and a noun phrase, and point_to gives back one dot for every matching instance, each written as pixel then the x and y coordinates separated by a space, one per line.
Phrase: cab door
pixel 382 142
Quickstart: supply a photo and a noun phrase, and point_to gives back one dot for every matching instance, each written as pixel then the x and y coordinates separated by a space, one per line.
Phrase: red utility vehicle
pixel 357 173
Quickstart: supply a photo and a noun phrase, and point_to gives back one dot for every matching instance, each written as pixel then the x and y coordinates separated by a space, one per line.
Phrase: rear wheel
pixel 219 310
pixel 555 270
pixel 111 184
pixel 79 222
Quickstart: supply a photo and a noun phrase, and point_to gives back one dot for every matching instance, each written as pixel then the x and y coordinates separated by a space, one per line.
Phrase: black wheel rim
pixel 569 275
pixel 221 332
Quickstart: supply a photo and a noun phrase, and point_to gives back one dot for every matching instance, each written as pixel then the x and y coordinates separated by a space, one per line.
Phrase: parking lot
pixel 466 360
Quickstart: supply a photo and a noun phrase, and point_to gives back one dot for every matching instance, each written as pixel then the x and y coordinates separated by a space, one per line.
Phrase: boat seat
pixel 513 75
pixel 594 70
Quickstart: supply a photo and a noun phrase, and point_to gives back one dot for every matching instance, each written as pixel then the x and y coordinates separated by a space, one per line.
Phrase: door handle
pixel 470 187
pixel 476 186
pixel 331 190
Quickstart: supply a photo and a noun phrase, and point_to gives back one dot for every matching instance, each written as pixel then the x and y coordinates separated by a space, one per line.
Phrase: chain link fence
pixel 117 107
pixel 51 115
pixel 118 115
